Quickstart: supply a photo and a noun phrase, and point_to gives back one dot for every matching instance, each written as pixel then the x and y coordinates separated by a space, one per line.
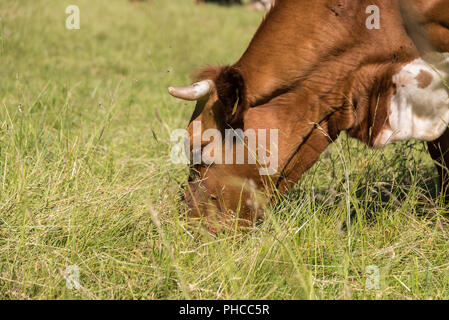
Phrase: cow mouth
pixel 190 195
pixel 196 196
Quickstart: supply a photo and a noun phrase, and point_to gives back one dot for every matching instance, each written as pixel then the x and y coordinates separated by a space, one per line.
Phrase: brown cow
pixel 313 70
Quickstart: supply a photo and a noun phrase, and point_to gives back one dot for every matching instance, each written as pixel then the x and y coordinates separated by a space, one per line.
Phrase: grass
pixel 86 181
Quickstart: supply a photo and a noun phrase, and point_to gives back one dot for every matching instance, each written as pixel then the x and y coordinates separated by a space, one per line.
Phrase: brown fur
pixel 424 79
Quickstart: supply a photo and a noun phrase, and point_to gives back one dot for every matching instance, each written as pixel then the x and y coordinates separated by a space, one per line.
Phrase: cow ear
pixel 231 93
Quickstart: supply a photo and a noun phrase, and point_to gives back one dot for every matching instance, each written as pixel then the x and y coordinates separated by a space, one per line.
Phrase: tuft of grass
pixel 86 181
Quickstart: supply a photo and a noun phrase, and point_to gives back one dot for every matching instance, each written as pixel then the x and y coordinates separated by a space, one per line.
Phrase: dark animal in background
pixel 220 1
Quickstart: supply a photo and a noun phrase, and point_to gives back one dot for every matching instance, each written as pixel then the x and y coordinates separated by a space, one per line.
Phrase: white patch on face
pixel 420 107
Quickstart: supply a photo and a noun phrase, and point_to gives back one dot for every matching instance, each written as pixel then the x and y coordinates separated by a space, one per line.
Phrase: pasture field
pixel 86 182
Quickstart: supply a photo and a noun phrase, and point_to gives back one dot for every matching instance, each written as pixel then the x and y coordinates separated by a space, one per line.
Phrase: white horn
pixel 193 92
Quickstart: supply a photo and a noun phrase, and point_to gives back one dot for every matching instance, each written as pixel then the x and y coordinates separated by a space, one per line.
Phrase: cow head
pixel 258 153
pixel 312 70
pixel 221 183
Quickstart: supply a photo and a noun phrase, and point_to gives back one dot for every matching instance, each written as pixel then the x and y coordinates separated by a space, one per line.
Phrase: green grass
pixel 85 176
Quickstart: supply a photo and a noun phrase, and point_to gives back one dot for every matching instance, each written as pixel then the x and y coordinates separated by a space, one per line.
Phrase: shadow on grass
pixel 401 178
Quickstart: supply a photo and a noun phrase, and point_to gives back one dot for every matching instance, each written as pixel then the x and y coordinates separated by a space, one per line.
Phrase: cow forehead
pixel 420 107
